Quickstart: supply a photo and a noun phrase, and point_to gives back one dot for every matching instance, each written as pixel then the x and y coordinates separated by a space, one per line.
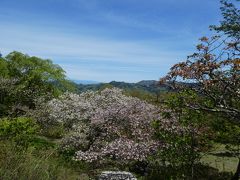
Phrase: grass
pixel 35 164
pixel 42 162
pixel 220 159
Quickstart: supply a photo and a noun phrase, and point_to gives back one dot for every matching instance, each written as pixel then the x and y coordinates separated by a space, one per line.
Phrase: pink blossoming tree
pixel 106 125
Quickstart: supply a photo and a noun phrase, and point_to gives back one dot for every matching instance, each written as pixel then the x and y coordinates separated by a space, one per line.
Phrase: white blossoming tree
pixel 105 125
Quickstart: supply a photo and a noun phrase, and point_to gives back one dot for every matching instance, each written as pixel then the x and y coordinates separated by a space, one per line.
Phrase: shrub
pixel 20 130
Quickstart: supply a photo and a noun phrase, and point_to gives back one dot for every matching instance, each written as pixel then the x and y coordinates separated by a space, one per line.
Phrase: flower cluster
pixel 121 149
pixel 106 124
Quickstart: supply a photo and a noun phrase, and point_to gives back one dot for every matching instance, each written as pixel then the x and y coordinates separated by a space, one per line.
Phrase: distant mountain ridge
pixel 149 86
pixel 85 82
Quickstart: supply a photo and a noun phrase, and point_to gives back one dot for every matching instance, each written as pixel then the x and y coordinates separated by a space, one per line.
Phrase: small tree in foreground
pixel 185 134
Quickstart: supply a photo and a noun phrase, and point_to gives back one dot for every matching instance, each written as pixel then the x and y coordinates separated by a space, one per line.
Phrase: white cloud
pixel 50 44
pixel 114 59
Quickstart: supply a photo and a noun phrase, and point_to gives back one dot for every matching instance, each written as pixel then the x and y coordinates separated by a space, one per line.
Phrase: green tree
pixel 230 24
pixel 185 135
pixel 26 79
pixel 34 73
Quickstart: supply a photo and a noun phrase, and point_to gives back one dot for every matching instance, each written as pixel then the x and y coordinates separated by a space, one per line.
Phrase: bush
pixel 54 131
pixel 20 130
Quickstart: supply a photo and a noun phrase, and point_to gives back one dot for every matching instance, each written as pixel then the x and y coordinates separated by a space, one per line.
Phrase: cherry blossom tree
pixel 106 125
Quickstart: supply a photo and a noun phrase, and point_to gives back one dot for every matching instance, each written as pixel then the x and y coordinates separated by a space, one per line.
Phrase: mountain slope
pixel 149 86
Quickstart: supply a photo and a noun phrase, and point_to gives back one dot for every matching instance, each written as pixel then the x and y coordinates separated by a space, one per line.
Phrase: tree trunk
pixel 237 173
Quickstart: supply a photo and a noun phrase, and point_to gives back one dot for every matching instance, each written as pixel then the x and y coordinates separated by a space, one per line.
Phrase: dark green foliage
pixel 3 68
pixel 56 132
pixel 185 139
pixel 230 24
pixel 227 133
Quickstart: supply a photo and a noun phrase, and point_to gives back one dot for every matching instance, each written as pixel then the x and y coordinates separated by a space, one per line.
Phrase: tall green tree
pixel 24 79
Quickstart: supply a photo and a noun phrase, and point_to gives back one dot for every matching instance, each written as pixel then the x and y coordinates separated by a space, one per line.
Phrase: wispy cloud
pixel 50 44
pixel 100 40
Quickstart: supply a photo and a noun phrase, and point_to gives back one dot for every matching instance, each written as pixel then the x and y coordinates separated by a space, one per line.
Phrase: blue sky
pixel 105 40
